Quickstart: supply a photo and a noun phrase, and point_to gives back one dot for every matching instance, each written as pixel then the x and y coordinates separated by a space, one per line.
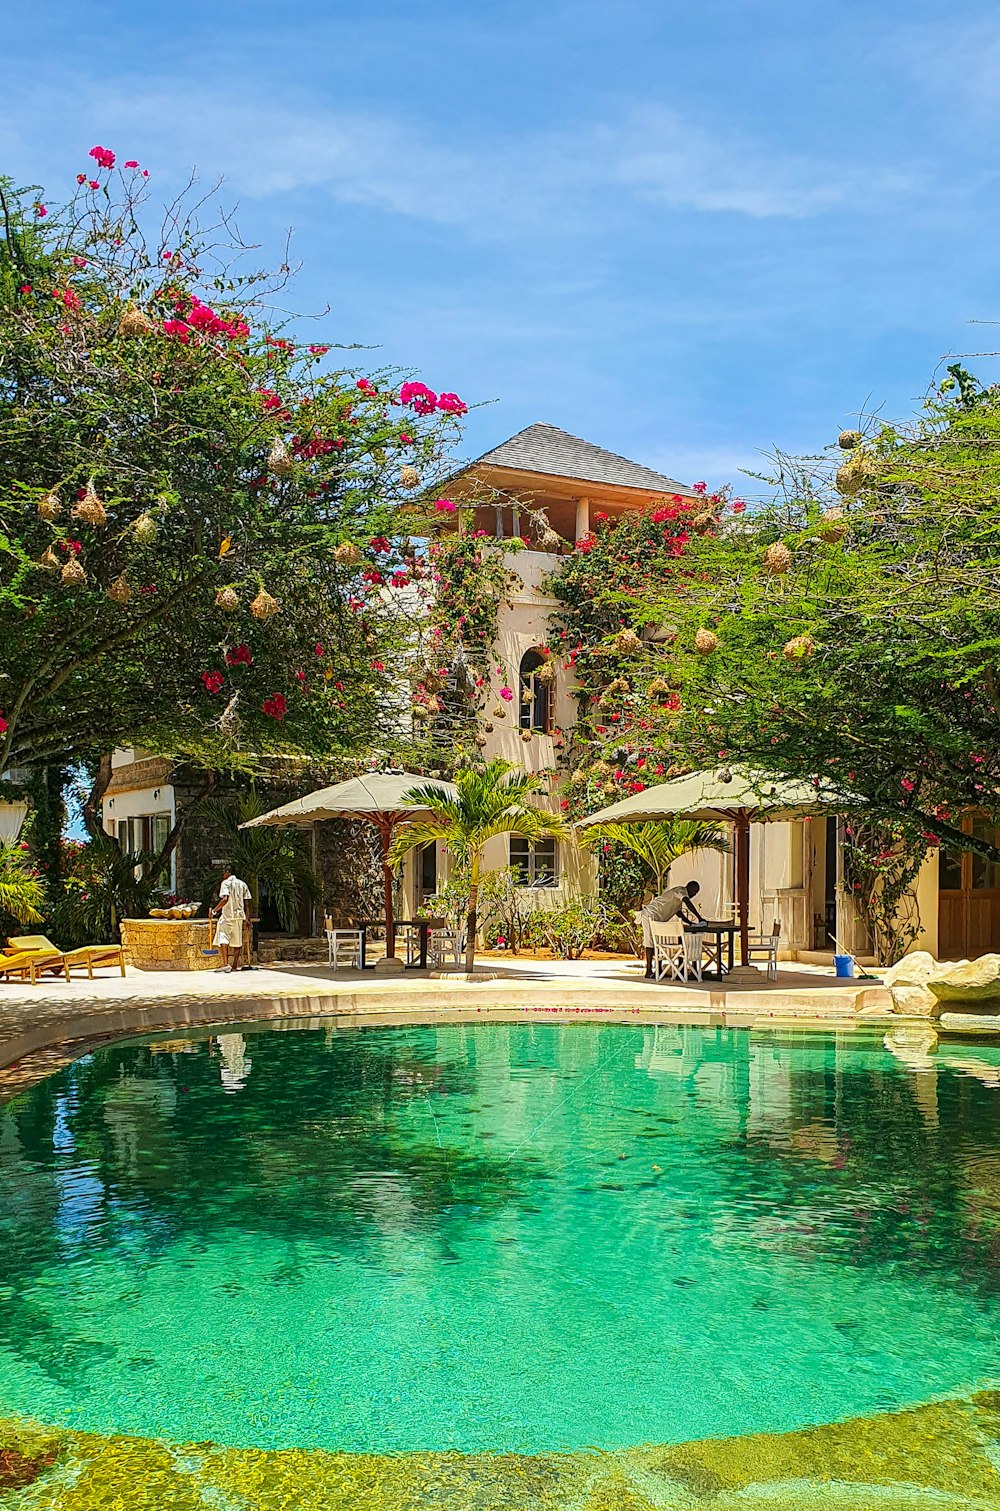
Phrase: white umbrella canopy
pixel 377 797
pixel 372 796
pixel 708 795
pixel 738 795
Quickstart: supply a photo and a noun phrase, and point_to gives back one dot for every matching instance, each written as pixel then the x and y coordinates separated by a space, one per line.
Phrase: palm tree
pixel 21 892
pixel 659 842
pixel 272 856
pixel 491 800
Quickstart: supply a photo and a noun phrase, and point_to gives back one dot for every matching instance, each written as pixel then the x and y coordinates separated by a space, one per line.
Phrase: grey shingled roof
pixel 547 449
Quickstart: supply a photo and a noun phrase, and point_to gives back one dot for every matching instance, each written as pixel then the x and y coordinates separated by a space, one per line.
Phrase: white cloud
pixel 495 187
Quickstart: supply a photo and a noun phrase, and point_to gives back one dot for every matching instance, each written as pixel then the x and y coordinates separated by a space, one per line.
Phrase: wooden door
pixel 969 898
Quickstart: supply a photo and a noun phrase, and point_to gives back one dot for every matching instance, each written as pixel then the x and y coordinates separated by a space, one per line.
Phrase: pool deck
pixel 64 1018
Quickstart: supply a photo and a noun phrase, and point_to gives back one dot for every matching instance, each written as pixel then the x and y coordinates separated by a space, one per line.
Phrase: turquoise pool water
pixel 497 1237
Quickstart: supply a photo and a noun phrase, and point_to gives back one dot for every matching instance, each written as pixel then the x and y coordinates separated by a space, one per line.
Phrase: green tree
pixel 850 629
pixel 273 857
pixel 659 843
pixel 22 895
pixel 491 800
pixel 197 513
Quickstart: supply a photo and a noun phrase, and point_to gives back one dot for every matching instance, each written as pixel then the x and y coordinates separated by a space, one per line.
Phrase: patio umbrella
pixel 740 797
pixel 376 797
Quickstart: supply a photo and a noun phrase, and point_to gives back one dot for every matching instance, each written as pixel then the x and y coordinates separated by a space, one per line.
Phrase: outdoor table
pixel 424 925
pixel 722 929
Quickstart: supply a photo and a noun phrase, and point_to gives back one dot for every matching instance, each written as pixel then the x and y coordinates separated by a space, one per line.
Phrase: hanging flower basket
pixel 480 740
pixel 49 561
pixel 847 440
pixel 526 736
pixel 409 477
pixel 227 600
pixel 499 713
pixel 550 541
pixel 348 554
pixel 419 712
pixel 50 507
pixel 264 606
pixel 705 642
pixel 658 688
pixel 119 591
pixel 546 674
pixel 72 574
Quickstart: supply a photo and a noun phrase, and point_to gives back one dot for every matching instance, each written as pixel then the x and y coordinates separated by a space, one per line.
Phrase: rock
pixel 973 986
pixel 909 984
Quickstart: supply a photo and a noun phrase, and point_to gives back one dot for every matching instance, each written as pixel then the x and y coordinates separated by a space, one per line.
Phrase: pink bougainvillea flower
pixel 25 288
pixel 506 693
pixel 3 725
pixel 378 666
pixel 81 178
pixel 177 328
pixel 213 681
pixel 450 403
pixel 700 487
pixel 145 172
pixel 444 505
pixel 404 439
pixel 103 157
pixel 79 262
pixel 275 706
pixel 907 785
pixel 420 398
pixel 317 650
pixel 94 184
pixel 131 163
pixel 41 211
pixel 239 655
pixel 365 386
pixel 300 676
pixel 318 351
pixel 738 506
pixel 379 543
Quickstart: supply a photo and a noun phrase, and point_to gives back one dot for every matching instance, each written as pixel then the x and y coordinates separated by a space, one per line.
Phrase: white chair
pixel 767 944
pixel 694 945
pixel 445 947
pixel 668 952
pixel 344 948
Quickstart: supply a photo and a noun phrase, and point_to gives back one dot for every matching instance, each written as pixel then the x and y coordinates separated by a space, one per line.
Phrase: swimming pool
pixel 497 1237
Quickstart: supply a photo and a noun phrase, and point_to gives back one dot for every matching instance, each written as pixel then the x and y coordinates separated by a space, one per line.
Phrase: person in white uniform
pixel 233 912
pixel 671 903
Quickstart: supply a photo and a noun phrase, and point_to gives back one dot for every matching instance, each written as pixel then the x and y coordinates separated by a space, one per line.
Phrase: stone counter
pixel 167 944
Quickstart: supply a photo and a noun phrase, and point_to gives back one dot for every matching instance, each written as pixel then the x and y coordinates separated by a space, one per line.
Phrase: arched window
pixel 536 693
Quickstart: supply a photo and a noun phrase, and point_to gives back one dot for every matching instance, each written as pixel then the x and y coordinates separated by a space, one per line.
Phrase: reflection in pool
pixel 521 1237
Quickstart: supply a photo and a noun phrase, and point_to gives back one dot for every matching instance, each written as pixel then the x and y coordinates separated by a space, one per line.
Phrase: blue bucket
pixel 844 965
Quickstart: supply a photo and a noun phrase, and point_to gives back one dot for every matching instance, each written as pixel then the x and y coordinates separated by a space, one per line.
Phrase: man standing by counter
pixel 233 912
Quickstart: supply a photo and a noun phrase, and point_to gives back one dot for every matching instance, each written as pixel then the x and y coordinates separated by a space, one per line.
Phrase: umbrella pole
pixel 385 829
pixel 742 846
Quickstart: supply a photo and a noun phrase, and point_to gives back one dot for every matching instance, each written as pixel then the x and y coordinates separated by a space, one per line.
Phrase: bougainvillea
pixel 190 499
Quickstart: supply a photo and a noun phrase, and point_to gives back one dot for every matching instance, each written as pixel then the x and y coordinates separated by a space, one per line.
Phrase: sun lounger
pixel 88 955
pixel 31 964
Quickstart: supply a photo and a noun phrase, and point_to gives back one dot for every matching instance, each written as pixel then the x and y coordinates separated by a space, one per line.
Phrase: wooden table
pixel 424 925
pixel 723 930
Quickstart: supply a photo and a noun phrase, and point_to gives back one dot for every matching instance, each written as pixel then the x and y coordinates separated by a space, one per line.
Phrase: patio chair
pixel 668 952
pixel 694 947
pixel 87 956
pixel 30 964
pixel 344 948
pixel 446 947
pixel 767 944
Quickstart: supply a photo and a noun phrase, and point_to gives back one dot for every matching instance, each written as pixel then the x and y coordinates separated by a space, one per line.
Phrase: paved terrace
pixel 55 1020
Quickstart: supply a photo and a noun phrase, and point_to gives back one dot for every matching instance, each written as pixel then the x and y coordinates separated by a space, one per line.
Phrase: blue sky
pixel 690 233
